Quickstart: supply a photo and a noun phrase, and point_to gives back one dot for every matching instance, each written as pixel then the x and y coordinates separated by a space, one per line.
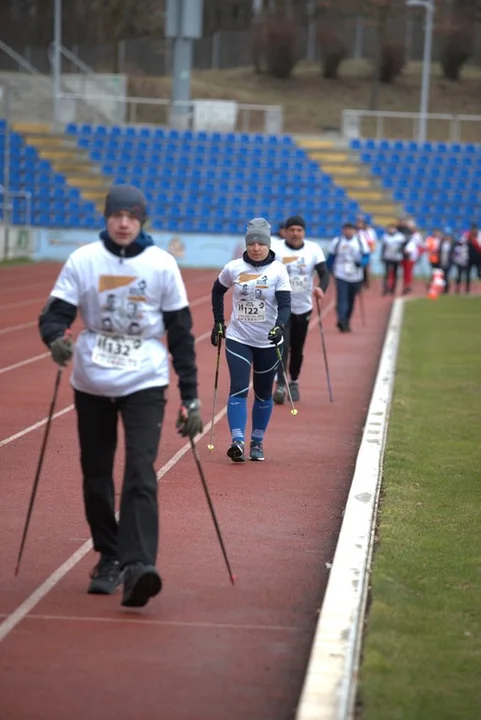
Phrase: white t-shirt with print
pixel 300 265
pixel 393 246
pixel 254 306
pixel 414 246
pixel 120 301
pixel 348 253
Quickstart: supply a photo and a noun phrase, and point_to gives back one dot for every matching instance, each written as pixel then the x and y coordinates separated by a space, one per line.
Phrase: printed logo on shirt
pixel 123 305
pixel 246 277
pixel 113 282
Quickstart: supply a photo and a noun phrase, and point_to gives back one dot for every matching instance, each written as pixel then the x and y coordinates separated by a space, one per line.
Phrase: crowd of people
pixel 402 246
pixel 130 293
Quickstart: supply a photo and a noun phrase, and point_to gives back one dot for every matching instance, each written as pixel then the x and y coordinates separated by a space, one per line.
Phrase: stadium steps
pixel 347 171
pixel 67 159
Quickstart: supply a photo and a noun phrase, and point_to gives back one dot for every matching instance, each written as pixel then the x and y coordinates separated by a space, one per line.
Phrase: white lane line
pixel 22 303
pixel 330 683
pixel 20 284
pixel 39 424
pixel 20 364
pixel 35 426
pixel 14 328
pixel 200 300
pixel 33 359
pixel 145 620
pixel 14 618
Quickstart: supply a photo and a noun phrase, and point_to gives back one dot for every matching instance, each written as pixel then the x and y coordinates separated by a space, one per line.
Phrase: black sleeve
pixel 218 292
pixel 283 298
pixel 56 317
pixel 180 341
pixel 323 273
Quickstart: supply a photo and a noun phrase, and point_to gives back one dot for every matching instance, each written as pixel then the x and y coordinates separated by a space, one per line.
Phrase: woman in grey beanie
pixel 261 307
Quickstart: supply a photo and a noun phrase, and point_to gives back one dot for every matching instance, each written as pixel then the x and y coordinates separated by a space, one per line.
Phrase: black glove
pixel 276 335
pixel 61 350
pixel 217 331
pixel 358 264
pixel 189 422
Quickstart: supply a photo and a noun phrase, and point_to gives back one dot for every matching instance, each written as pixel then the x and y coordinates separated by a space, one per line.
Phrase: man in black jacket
pixel 119 284
pixel 304 261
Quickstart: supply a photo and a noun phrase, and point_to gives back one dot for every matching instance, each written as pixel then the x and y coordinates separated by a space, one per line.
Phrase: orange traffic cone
pixel 436 285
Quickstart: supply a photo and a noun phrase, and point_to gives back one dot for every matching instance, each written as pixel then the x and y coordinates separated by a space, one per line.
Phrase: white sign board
pixel 351 126
pixel 220 115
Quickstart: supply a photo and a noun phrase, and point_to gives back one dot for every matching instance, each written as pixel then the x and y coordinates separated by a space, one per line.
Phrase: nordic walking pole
pixel 210 446
pixel 211 508
pixel 324 352
pixel 39 468
pixel 279 355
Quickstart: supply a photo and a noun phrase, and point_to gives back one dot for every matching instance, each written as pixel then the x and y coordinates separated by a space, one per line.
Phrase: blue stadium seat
pixel 212 182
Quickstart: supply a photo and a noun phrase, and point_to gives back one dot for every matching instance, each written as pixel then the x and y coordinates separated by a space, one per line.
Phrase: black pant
pixel 135 537
pixel 463 273
pixel 447 273
pixel 390 276
pixel 295 333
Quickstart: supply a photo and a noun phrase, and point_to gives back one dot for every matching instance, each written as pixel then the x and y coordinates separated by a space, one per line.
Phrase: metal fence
pixel 444 127
pixel 232 48
pixel 240 117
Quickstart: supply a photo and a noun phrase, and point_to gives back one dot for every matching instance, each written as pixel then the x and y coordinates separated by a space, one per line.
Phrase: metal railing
pixel 181 114
pixel 89 84
pixel 88 73
pixel 6 197
pixel 23 63
pixel 447 127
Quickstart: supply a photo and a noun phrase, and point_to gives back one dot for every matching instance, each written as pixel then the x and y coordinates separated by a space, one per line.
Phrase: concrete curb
pixel 330 684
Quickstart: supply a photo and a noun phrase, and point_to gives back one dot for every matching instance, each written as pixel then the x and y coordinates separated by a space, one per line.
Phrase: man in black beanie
pixel 129 293
pixel 303 260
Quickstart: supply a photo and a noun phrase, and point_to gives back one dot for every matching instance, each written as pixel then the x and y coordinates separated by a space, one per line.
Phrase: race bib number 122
pixel 251 311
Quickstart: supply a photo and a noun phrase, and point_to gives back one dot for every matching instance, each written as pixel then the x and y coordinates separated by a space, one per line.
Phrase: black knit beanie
pixel 127 198
pixel 295 220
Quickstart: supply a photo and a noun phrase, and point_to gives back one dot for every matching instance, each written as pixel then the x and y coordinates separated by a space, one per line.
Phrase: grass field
pixel 15 261
pixel 312 103
pixel 422 653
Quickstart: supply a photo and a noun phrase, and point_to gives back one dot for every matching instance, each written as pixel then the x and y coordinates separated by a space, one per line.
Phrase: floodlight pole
pixel 428 5
pixel 183 25
pixel 57 59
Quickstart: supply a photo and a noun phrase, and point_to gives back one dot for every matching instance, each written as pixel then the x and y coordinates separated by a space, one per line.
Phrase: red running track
pixel 202 650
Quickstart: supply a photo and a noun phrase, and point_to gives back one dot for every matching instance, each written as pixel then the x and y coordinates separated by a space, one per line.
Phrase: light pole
pixel 57 59
pixel 183 25
pixel 428 5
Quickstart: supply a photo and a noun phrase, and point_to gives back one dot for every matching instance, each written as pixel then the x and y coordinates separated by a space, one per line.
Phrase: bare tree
pixel 378 13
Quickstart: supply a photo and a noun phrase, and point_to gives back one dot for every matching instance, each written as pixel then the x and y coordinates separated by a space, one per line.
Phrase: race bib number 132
pixel 117 351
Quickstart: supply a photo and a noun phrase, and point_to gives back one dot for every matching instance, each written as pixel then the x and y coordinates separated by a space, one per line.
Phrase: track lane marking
pixel 24 609
pixel 144 620
pixel 14 328
pixel 14 618
pixel 35 358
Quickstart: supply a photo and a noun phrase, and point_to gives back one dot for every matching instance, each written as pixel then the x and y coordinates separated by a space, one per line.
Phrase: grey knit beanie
pixel 258 231
pixel 127 198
